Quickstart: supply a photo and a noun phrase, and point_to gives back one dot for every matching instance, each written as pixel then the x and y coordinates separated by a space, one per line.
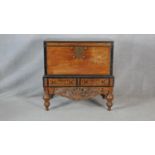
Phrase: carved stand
pixel 79 93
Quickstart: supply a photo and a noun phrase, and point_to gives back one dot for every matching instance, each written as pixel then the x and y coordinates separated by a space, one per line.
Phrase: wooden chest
pixel 78 70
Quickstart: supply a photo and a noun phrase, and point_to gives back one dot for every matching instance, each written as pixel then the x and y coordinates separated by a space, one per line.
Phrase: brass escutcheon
pixel 79 52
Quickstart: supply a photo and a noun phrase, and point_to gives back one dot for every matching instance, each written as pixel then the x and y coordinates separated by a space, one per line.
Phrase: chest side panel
pixel 83 60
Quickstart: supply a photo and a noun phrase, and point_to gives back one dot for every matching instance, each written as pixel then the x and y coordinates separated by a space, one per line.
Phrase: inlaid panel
pixel 94 82
pixel 61 82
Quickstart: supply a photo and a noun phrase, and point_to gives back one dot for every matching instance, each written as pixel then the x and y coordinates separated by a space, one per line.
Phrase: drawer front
pixel 79 60
pixel 95 82
pixel 61 82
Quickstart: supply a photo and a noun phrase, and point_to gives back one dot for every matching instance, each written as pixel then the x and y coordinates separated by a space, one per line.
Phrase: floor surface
pixel 32 109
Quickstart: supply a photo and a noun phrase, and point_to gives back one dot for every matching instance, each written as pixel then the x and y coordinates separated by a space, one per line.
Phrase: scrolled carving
pixel 78 93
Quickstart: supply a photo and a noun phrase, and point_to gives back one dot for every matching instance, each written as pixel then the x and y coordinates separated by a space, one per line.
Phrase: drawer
pixel 61 82
pixel 80 59
pixel 95 82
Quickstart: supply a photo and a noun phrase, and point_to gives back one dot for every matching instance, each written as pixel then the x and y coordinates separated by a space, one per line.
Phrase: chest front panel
pixel 84 59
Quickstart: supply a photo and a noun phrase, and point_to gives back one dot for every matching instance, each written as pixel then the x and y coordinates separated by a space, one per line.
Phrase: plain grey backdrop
pixel 22 68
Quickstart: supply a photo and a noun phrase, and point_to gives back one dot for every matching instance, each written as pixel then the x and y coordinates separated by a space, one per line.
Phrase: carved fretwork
pixel 78 93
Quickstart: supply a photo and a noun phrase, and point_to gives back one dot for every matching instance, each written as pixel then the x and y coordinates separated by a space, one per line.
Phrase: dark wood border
pixel 45 58
pixel 52 76
pixel 65 41
pixel 112 55
pixel 78 76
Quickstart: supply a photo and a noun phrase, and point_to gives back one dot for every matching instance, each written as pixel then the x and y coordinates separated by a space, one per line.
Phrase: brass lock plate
pixel 79 52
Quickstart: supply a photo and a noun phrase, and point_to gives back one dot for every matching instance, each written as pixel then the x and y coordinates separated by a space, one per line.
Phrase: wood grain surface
pixel 94 60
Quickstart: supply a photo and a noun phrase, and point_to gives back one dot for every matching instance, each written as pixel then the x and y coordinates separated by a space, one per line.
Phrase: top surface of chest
pixel 78 58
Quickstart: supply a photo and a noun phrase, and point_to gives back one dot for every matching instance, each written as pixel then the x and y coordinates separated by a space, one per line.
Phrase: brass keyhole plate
pixel 79 52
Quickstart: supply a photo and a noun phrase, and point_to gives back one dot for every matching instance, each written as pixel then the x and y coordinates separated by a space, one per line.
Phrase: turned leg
pixel 46 101
pixel 48 94
pixel 109 99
